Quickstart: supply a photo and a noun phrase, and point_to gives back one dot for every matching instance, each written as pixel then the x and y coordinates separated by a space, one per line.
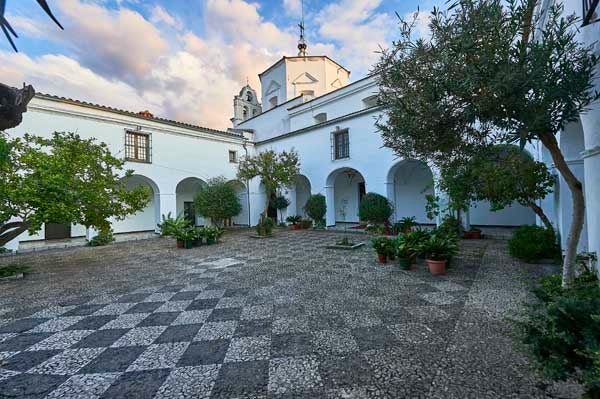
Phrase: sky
pixel 186 59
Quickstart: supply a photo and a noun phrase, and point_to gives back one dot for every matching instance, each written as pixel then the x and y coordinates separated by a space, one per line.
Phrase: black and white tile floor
pixel 289 321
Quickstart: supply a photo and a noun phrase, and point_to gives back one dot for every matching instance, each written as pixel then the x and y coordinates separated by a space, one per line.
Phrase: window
pixel 273 102
pixel 233 156
pixel 370 101
pixel 137 147
pixel 249 97
pixel 341 144
pixel 245 113
pixel 320 118
pixel 308 94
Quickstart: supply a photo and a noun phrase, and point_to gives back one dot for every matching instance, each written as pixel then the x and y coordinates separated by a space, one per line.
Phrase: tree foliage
pixel 316 207
pixel 218 200
pixel 62 179
pixel 501 175
pixel 275 170
pixel 374 208
pixel 484 75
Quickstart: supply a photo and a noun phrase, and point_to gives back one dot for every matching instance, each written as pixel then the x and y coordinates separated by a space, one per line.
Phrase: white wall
pixel 177 152
pixel 412 181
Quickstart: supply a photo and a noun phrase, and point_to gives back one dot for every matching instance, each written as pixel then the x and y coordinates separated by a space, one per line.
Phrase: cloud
pixel 118 57
pixel 293 7
pixel 160 15
pixel 358 29
pixel 115 43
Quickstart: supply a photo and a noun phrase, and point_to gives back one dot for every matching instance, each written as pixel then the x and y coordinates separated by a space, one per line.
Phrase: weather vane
pixel 8 30
pixel 302 42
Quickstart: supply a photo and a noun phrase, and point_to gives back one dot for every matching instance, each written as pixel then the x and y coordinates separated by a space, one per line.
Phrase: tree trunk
pixel 540 212
pixel 576 188
pixel 10 231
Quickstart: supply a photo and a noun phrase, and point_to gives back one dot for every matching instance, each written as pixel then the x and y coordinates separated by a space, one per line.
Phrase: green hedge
pixel 533 243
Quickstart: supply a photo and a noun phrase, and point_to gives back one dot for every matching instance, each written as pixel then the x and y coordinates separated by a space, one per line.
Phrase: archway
pixel 345 188
pixel 242 193
pixel 145 219
pixel 409 183
pixel 185 194
pixel 303 190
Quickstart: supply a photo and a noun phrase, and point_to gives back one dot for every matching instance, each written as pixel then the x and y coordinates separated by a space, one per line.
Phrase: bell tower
pixel 245 105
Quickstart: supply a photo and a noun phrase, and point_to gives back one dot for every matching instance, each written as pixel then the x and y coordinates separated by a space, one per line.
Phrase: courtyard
pixel 278 318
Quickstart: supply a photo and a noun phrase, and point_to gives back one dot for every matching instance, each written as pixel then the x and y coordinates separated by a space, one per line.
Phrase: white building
pixel 307 103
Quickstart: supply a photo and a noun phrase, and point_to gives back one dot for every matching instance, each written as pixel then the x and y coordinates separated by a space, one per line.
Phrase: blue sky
pixel 185 59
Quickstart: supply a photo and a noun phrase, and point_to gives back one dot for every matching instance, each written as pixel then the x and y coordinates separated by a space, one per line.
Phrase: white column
pixel 290 194
pixel 330 201
pixel 166 203
pixel 90 233
pixel 590 122
pixel 13 245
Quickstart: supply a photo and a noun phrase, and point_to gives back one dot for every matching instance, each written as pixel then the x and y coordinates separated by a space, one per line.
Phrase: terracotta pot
pixel 436 267
pixel 382 258
pixel 295 227
pixel 476 235
pixel 180 243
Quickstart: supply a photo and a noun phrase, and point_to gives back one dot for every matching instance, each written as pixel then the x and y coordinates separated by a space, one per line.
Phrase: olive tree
pixel 218 200
pixel 62 179
pixel 484 76
pixel 276 170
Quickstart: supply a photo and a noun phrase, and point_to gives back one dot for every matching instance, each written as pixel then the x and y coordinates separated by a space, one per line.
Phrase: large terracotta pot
pixel 180 243
pixel 295 227
pixel 436 267
pixel 382 258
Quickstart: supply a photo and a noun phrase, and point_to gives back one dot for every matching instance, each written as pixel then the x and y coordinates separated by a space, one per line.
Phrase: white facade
pixel 182 156
pixel 307 104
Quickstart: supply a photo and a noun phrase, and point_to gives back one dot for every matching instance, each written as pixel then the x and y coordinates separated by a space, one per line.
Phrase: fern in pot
pixel 405 249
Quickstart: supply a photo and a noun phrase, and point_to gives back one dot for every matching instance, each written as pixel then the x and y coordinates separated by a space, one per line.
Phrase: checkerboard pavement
pixel 233 328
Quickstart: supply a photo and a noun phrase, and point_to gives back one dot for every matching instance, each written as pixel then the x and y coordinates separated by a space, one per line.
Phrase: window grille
pixel 340 144
pixel 138 147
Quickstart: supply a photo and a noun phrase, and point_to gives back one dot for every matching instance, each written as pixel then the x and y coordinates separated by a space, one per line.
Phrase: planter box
pixel 345 247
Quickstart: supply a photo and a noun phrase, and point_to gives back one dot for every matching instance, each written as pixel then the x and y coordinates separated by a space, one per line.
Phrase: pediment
pixel 304 78
pixel 273 87
pixel 336 84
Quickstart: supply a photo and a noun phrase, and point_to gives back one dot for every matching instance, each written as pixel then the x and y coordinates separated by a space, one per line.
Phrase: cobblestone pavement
pixel 274 318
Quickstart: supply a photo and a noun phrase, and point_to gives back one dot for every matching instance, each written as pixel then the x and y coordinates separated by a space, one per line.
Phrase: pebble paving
pixel 276 318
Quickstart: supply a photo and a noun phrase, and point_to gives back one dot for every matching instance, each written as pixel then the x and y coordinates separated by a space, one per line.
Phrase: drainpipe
pixel 247 183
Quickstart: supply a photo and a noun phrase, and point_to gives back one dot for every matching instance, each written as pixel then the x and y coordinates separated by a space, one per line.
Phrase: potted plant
pixel 265 225
pixel 417 238
pixel 185 236
pixel 406 224
pixel 316 208
pixel 199 236
pixel 212 234
pixel 473 234
pixel 306 224
pixel 406 249
pixel 381 245
pixel 294 220
pixel 438 250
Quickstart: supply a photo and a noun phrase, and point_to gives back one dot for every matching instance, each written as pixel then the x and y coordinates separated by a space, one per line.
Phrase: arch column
pixel 590 122
pixel 330 201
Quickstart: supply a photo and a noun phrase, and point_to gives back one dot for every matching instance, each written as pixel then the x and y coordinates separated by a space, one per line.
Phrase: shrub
pixel 265 226
pixel 218 200
pixel 450 226
pixel 104 237
pixel 533 243
pixel 12 270
pixel 316 207
pixel 562 330
pixel 374 208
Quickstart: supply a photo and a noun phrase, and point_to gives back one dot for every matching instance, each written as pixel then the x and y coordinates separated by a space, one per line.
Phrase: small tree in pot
pixel 375 209
pixel 280 203
pixel 316 208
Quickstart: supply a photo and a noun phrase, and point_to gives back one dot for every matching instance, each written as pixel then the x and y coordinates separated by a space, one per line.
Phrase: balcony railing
pixel 589 12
